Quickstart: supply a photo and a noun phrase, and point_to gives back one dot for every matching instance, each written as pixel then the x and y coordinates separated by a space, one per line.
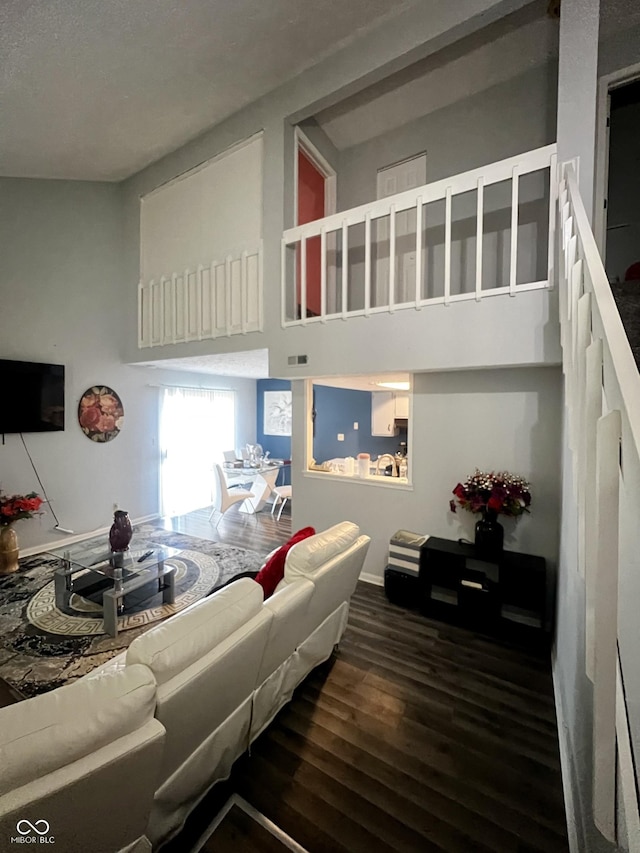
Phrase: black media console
pixel 505 594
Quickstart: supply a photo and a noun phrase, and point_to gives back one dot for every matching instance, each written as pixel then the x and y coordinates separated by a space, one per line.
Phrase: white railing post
pixel 227 295
pixel 447 246
pixel 303 281
pixel 479 237
pixel 418 252
pixel 244 293
pixel 141 340
pixel 345 267
pixel 367 264
pixel 606 624
pixel 582 340
pixel 283 283
pixel 513 267
pixel 199 296
pixel 323 275
pixel 592 414
pixel 553 191
pixel 392 258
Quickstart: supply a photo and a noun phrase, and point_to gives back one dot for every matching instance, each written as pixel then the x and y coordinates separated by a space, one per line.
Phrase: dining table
pixel 258 479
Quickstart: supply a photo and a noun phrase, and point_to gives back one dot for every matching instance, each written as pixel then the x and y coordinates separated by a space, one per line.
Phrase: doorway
pixel 406 175
pixel 196 427
pixel 315 183
pixel 622 209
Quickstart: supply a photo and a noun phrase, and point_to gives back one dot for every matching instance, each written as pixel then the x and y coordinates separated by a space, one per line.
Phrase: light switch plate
pixel 340 436
pixel 355 425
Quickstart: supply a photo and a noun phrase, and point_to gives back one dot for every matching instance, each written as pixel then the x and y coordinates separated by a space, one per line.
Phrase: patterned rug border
pixel 33 660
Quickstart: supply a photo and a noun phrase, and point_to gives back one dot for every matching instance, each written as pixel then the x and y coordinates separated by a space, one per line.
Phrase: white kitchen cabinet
pixel 401 405
pixel 383 413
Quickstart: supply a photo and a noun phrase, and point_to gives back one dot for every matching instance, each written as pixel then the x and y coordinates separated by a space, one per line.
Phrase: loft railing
pixel 221 299
pixel 602 393
pixel 482 233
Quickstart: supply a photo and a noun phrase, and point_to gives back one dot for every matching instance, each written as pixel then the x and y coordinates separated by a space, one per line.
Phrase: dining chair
pixel 224 499
pixel 281 493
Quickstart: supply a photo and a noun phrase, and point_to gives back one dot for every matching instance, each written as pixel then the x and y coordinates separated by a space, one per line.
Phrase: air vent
pixel 297 359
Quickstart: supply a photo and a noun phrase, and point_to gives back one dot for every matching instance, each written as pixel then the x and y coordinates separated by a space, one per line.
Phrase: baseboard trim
pixel 79 537
pixel 367 577
pixel 567 769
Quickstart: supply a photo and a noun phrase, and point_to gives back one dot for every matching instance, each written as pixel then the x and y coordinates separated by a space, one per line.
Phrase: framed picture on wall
pixel 277 413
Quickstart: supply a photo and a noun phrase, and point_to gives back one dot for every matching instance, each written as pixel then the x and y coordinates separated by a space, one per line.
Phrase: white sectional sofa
pixel 117 760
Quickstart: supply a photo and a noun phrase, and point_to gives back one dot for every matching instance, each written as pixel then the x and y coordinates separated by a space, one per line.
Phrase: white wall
pixel 61 301
pixel 424 30
pixel 500 122
pixel 499 419
pixel 205 215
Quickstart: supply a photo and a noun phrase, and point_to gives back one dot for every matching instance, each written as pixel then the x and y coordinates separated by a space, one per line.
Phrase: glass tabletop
pixel 101 560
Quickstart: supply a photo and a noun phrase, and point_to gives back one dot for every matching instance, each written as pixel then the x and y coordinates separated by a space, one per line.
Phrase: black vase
pixel 121 531
pixel 489 534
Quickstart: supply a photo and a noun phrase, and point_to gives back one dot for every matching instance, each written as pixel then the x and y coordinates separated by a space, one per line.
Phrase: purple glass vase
pixel 121 531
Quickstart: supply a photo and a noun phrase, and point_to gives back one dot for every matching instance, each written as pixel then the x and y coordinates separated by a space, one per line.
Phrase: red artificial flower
pixel 501 492
pixel 15 507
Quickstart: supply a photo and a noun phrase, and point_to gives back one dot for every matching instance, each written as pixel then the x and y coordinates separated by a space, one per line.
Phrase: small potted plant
pixel 13 508
pixel 492 494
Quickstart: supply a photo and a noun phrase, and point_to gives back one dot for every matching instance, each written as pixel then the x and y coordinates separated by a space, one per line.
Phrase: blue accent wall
pixel 279 446
pixel 337 409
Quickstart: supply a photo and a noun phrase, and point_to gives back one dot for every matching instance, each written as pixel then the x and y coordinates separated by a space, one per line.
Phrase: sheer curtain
pixel 196 426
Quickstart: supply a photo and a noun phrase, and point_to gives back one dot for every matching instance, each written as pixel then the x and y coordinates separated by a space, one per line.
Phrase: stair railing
pixel 602 398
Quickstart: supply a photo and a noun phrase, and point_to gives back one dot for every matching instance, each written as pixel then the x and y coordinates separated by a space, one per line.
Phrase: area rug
pixel 43 647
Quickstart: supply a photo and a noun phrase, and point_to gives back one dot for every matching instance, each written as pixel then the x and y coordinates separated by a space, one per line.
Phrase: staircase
pixel 602 399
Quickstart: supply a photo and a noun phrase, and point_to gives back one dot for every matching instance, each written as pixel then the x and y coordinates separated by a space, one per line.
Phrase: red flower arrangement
pixel 502 493
pixel 15 507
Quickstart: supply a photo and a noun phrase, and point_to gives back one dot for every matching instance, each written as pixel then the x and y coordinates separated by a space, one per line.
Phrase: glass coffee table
pixel 106 578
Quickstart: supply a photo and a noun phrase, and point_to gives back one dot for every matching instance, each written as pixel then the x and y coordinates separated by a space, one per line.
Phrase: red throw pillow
pixel 272 572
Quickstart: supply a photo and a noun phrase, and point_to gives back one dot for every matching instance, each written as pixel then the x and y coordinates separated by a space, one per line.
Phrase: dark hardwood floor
pixel 260 532
pixel 415 736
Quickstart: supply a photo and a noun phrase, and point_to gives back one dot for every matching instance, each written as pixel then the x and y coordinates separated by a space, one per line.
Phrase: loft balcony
pixel 483 233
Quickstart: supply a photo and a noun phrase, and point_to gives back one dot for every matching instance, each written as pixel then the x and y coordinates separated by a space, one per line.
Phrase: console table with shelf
pixel 504 594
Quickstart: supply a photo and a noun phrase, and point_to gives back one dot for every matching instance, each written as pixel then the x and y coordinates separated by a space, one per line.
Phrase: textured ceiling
pixel 98 89
pixel 253 364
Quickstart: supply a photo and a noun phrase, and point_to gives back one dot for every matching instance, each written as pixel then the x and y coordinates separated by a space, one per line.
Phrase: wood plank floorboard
pixel 414 736
pixel 260 532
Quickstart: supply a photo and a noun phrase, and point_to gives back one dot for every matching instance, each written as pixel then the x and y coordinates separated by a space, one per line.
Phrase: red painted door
pixel 310 207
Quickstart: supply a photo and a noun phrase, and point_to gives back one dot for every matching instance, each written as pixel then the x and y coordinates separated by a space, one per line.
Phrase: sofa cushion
pixel 272 572
pixel 306 558
pixel 175 644
pixel 50 731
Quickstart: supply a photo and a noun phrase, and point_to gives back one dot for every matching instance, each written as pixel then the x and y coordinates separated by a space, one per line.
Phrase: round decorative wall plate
pixel 100 413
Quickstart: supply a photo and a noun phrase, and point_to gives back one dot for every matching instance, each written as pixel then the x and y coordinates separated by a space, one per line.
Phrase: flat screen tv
pixel 32 398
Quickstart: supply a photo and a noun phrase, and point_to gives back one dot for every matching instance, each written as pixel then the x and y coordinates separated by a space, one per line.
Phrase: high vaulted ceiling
pixel 98 89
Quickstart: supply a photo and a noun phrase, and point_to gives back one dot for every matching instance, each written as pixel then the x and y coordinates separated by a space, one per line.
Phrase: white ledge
pixel 398 483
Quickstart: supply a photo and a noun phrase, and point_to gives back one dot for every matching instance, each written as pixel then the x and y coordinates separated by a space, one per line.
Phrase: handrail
pixel 603 401
pixel 621 355
pixel 320 281
pixel 531 161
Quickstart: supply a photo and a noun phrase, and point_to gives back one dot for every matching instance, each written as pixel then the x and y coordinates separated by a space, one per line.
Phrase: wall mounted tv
pixel 33 396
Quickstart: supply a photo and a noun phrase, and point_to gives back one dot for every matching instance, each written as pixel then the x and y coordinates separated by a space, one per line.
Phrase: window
pixel 196 427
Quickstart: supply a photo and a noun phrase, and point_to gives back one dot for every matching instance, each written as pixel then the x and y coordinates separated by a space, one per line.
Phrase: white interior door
pixel 396 179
